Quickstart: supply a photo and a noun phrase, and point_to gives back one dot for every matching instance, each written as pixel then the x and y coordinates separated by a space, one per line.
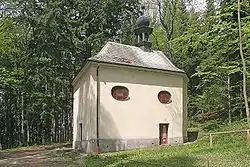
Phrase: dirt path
pixel 42 156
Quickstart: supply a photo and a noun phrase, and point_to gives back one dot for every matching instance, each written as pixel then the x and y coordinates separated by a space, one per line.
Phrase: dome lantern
pixel 143 32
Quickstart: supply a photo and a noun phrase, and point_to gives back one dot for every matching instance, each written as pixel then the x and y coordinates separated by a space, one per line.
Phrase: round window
pixel 164 97
pixel 120 93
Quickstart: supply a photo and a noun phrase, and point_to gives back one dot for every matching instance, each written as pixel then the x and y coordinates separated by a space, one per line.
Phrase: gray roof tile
pixel 134 56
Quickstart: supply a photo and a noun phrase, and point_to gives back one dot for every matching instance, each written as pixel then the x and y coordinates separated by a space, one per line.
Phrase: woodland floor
pixel 41 156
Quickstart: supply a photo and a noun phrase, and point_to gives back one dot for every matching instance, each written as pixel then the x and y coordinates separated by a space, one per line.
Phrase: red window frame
pixel 120 93
pixel 164 97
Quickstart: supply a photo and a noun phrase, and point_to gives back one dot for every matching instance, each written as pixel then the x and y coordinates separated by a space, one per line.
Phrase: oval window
pixel 120 93
pixel 164 97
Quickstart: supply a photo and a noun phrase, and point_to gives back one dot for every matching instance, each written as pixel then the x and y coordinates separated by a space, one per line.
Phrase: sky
pixel 199 4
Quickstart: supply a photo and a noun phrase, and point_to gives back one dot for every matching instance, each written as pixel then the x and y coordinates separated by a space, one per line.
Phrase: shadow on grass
pixel 124 161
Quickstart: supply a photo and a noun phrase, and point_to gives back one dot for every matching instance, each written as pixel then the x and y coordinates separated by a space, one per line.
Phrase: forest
pixel 43 44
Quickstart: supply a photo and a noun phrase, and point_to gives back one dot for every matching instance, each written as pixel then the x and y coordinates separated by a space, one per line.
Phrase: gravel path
pixel 42 156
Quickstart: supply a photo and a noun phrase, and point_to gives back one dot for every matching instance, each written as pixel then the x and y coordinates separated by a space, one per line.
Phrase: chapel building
pixel 129 97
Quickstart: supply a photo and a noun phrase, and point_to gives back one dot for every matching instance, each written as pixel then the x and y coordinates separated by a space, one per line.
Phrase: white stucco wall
pixel 139 117
pixel 84 106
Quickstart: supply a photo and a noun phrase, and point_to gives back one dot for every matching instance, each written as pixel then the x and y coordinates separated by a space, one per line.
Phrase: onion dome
pixel 143 21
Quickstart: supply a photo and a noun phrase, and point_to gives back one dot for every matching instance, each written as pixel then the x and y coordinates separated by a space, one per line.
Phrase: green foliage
pixel 158 40
pixel 209 53
pixel 215 126
pixel 193 129
pixel 43 44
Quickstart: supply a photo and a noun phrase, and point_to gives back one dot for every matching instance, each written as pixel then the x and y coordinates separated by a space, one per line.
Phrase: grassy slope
pixel 228 151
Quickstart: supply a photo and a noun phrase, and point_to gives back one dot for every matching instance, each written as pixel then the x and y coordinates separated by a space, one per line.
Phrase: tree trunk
pixel 229 99
pixel 241 107
pixel 22 121
pixel 28 132
pixel 244 67
pixel 53 136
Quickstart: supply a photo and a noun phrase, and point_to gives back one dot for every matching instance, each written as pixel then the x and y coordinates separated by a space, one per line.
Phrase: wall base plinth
pixel 113 145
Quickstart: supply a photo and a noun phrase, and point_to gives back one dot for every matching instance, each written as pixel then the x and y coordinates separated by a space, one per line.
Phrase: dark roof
pixel 143 21
pixel 117 53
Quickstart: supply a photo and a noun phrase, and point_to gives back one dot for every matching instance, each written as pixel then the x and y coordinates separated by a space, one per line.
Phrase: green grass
pixel 229 150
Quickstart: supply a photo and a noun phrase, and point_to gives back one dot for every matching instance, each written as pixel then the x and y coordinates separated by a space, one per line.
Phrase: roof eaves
pixel 128 65
pixel 102 51
pixel 82 71
pixel 167 59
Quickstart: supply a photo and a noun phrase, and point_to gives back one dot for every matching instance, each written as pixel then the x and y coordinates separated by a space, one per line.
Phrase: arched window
pixel 120 93
pixel 164 97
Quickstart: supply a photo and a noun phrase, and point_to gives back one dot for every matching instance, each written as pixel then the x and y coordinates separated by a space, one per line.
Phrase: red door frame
pixel 163 133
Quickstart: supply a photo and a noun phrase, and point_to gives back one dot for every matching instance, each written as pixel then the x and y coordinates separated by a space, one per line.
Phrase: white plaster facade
pixel 127 124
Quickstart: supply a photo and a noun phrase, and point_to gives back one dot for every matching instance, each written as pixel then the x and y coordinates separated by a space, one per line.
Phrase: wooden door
pixel 163 134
